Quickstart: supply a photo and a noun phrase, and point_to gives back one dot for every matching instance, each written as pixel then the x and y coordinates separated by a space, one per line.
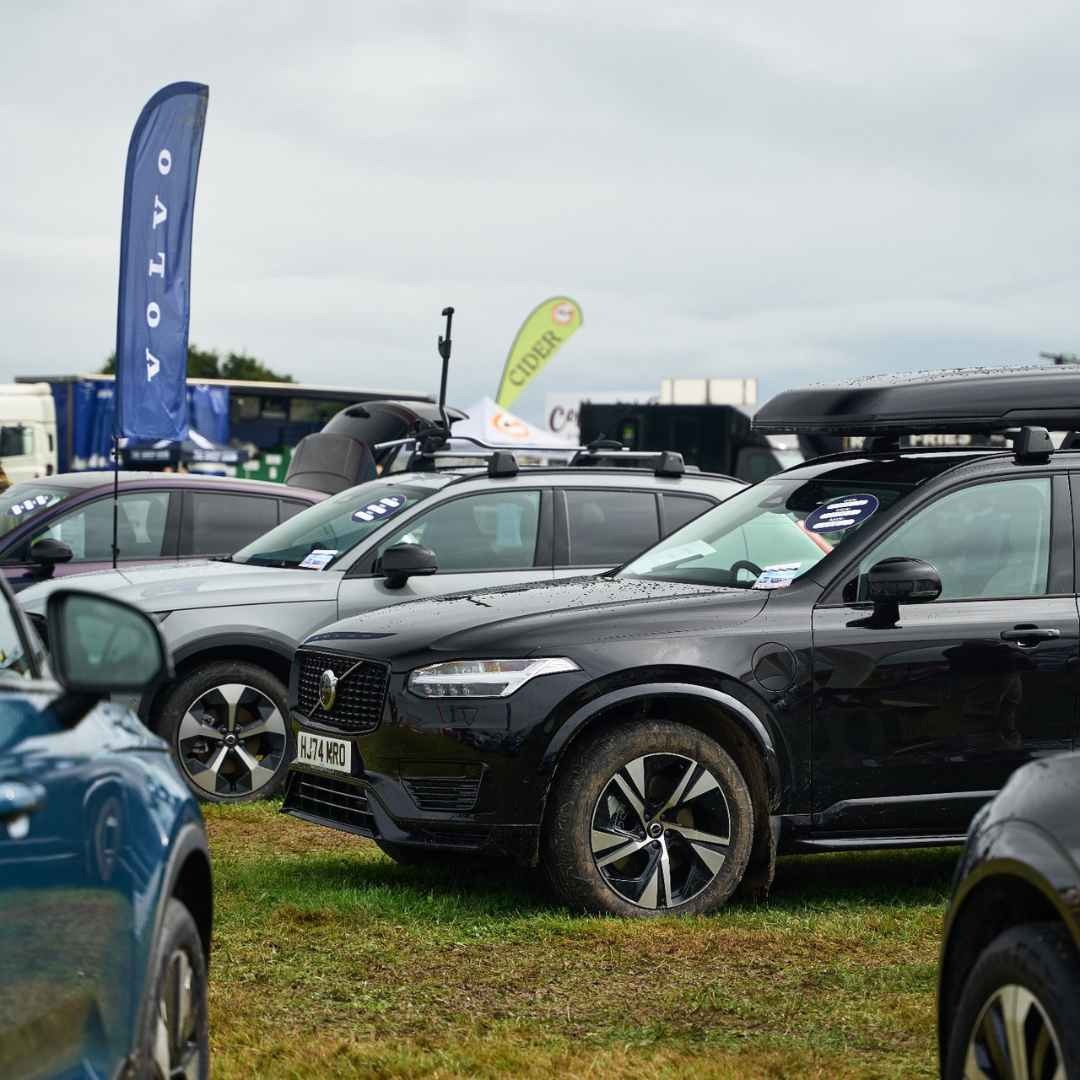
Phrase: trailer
pixel 271 416
pixel 715 438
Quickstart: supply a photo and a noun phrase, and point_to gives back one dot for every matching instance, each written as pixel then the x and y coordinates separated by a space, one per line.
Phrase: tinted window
pixel 15 441
pixel 986 542
pixel 217 523
pixel 493 531
pixel 680 509
pixel 14 661
pixel 608 527
pixel 140 527
pixel 291 509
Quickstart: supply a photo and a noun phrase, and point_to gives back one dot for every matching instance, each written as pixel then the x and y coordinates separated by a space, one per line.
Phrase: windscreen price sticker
pixel 385 507
pixel 778 577
pixel 840 514
pixel 317 559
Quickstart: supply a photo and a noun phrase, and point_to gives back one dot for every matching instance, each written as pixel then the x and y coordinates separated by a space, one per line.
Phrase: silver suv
pixel 233 624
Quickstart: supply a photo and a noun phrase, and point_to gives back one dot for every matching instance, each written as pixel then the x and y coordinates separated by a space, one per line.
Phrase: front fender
pixel 749 723
pixel 1043 877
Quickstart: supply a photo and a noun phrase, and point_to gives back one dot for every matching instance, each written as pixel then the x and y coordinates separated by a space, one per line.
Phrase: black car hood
pixel 520 619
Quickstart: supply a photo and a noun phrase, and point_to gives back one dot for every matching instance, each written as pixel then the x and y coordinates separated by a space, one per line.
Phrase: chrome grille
pixel 361 690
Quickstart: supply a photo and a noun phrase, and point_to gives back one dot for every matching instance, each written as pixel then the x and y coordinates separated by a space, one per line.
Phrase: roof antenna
pixel 445 345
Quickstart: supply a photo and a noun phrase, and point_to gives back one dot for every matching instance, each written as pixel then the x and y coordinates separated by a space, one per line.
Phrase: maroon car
pixel 64 524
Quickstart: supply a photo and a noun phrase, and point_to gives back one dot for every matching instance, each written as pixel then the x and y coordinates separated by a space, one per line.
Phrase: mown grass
pixel 330 960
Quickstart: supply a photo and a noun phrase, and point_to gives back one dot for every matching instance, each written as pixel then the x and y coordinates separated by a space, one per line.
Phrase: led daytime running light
pixel 483 678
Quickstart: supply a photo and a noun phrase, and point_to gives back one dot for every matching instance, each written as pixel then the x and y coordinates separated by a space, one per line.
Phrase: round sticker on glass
pixel 839 514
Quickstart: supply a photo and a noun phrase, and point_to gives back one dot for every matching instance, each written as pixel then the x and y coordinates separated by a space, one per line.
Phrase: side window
pixel 681 509
pixel 987 542
pixel 493 531
pixel 14 659
pixel 289 508
pixel 140 527
pixel 755 463
pixel 16 440
pixel 608 527
pixel 219 523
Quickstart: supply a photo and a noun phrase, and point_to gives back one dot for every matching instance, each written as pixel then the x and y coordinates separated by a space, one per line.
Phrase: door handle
pixel 1030 635
pixel 17 799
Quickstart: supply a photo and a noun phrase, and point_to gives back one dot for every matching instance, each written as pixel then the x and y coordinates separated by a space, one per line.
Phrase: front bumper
pixel 351 805
pixel 449 774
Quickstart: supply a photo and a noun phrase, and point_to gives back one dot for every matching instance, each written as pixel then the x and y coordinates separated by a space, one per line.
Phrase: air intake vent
pixel 448 794
pixel 329 802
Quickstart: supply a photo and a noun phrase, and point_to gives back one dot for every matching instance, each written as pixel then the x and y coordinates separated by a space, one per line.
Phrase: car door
pixel 500 536
pixel 65 905
pixel 918 722
pixel 146 533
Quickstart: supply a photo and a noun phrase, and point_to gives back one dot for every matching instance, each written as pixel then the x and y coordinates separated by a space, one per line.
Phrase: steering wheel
pixel 744 564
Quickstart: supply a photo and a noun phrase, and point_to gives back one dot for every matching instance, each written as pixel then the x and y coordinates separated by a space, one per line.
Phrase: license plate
pixel 334 754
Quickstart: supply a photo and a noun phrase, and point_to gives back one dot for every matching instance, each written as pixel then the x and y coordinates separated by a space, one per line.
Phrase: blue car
pixel 106 900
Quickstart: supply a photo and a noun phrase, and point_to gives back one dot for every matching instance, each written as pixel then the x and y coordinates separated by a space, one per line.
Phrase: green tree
pixel 206 364
pixel 242 366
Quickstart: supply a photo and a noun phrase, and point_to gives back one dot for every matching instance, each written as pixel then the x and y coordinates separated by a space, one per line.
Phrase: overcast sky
pixel 787 190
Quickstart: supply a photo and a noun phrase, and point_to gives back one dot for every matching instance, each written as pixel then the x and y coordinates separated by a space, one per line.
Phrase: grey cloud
pixel 783 190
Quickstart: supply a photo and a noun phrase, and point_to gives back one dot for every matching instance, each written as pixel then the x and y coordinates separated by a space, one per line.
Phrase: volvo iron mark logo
pixel 327 689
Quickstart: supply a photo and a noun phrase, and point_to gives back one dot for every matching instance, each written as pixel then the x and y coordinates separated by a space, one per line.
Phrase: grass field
pixel 330 960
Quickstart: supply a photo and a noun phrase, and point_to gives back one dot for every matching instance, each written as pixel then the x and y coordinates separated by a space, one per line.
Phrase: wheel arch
pixel 1002 893
pixel 265 652
pixel 746 733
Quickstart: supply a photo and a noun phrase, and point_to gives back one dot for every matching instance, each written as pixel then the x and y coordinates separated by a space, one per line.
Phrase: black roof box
pixel 955 401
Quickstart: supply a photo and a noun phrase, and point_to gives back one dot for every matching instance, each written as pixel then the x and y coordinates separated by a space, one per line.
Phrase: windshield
pixel 22 501
pixel 318 536
pixel 767 535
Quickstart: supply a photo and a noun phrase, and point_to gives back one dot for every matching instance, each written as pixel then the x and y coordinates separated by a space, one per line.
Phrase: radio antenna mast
pixel 445 345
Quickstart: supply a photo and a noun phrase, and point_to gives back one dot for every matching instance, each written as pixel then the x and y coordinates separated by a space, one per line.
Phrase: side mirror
pixel 403 561
pixel 99 646
pixel 901 580
pixel 47 552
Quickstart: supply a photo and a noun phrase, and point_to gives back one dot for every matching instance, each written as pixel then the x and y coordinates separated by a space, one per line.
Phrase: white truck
pixel 27 431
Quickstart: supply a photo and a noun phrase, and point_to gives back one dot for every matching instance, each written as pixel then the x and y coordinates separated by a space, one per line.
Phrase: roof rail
pixel 662 462
pixel 1032 445
pixel 432 445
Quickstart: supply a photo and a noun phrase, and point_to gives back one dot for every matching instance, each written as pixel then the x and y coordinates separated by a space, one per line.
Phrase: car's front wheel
pixel 174 1042
pixel 649 819
pixel 227 725
pixel 1019 1011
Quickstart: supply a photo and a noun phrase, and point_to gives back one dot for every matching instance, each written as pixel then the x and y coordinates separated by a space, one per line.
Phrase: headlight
pixel 483 678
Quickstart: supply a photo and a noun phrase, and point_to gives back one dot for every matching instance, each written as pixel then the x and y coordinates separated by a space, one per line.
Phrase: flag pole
pixel 115 496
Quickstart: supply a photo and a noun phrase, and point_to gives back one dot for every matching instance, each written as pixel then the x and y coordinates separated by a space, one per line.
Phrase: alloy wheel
pixel 1013 1038
pixel 176 1052
pixel 661 830
pixel 231 740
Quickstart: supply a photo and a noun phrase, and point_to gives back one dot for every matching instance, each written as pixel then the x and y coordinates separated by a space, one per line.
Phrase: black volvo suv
pixel 855 653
